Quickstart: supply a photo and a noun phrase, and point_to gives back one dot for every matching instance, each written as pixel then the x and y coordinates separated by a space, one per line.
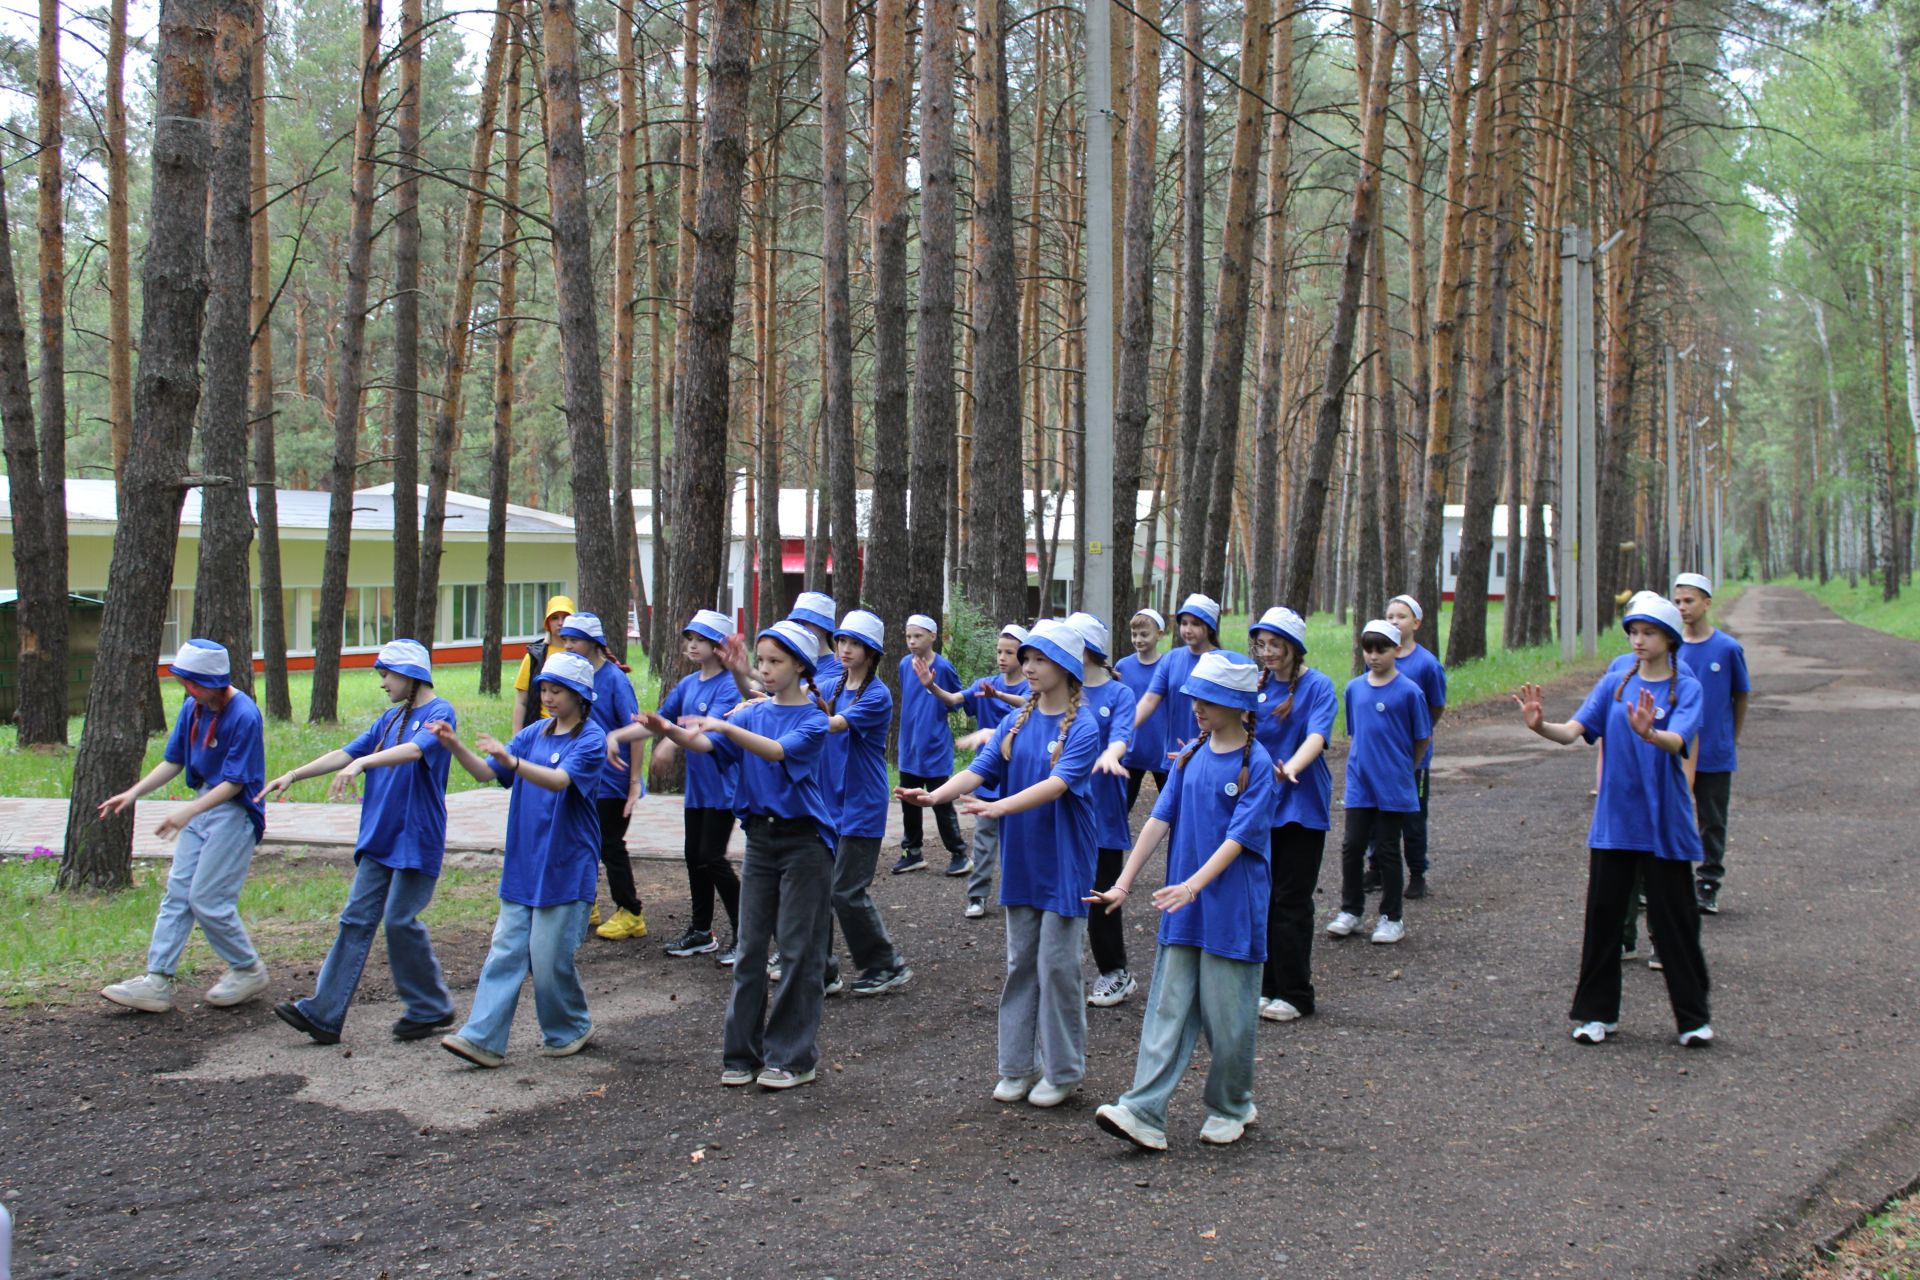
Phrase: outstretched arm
pixel 1565 732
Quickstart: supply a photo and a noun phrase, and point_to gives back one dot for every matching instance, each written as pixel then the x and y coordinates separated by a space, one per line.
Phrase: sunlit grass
pixel 1862 604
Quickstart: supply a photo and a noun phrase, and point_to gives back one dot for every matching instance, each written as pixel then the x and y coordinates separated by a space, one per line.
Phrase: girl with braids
pixel 929 693
pixel 1293 714
pixel 707 790
pixel 1111 703
pixel 1218 807
pixel 1647 719
pixel 859 710
pixel 617 789
pixel 992 700
pixel 1199 623
pixel 1389 727
pixel 403 835
pixel 1147 754
pixel 1042 761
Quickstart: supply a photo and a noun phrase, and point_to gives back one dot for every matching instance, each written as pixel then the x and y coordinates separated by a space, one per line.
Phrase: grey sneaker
pixel 1049 1094
pixel 781 1078
pixel 1110 989
pixel 568 1049
pixel 461 1047
pixel 976 907
pixel 1221 1130
pixel 1594 1032
pixel 237 986
pixel 149 993
pixel 1278 1010
pixel 1343 925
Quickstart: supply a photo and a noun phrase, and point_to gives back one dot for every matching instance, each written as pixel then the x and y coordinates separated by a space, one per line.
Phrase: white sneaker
pixel 1014 1088
pixel 1221 1130
pixel 568 1049
pixel 1343 924
pixel 1110 989
pixel 976 907
pixel 1277 1010
pixel 149 993
pixel 1386 930
pixel 1594 1032
pixel 1698 1038
pixel 236 986
pixel 1122 1123
pixel 1049 1094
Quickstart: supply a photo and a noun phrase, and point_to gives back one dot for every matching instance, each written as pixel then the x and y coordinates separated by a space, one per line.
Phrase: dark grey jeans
pixel 1711 793
pixel 867 941
pixel 785 887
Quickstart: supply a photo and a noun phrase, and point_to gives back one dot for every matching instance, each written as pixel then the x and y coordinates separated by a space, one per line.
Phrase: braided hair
pixel 1673 669
pixel 1246 752
pixel 1284 709
pixel 400 716
pixel 1066 723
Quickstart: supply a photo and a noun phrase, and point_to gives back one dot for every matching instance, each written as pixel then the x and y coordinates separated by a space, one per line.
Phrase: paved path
pixel 1433 1119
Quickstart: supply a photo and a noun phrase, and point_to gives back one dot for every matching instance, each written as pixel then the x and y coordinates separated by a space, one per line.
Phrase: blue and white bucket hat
pixel 1657 609
pixel 1093 632
pixel 1157 618
pixel 1059 644
pixel 1281 621
pixel 1224 679
pixel 205 662
pixel 1205 608
pixel 1698 581
pixel 815 608
pixel 866 627
pixel 585 626
pixel 1015 632
pixel 1382 628
pixel 796 640
pixel 407 658
pixel 708 624
pixel 569 671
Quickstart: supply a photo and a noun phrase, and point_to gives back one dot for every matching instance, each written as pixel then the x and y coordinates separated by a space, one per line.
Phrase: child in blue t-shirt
pixel 778 745
pixel 403 836
pixel 1293 712
pixel 1720 665
pixel 218 741
pixel 1647 720
pixel 1042 761
pixel 616 791
pixel 1147 753
pixel 930 691
pixel 1199 623
pixel 1111 703
pixel 1218 807
pixel 551 770
pixel 991 699
pixel 1389 727
pixel 1420 665
pixel 707 801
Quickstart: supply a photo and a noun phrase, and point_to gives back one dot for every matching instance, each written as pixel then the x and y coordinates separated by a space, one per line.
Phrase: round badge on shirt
pixel 554 758
pixel 416 726
pixel 1261 698
pixel 1715 666
pixel 1659 713
pixel 1379 706
pixel 1106 711
pixel 1232 788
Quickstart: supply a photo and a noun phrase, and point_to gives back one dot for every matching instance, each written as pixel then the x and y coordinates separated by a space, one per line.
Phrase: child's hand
pixel 342 788
pixel 1170 898
pixel 733 655
pixel 974 807
pixel 443 731
pixel 1284 772
pixel 923 669
pixel 490 745
pixel 975 740
pixel 276 788
pixel 705 724
pixel 1109 765
pixel 1528 700
pixel 919 797
pixel 1108 898
pixel 1640 714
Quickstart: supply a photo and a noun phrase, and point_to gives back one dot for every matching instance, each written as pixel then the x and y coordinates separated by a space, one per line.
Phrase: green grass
pixel 1862 604
pixel 59 946
pixel 49 773
pixel 1886 1246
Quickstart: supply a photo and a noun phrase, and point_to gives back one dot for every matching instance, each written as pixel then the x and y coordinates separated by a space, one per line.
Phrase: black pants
pixel 1105 937
pixel 1379 828
pixel 942 814
pixel 708 871
pixel 1136 777
pixel 1672 919
pixel 1295 852
pixel 1711 792
pixel 1413 829
pixel 613 854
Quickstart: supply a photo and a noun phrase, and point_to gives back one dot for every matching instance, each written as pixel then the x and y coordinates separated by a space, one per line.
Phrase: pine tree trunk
pixel 1132 407
pixel 119 256
pixel 500 454
pixel 99 853
pixel 688 177
pixel 625 219
pixel 266 493
pixel 1393 529
pixel 330 617
pixel 223 596
pixel 1419 383
pixel 843 447
pixel 599 572
pixel 887 549
pixel 656 625
pixel 1267 517
pixel 930 471
pixel 1197 473
pixel 405 395
pixel 701 488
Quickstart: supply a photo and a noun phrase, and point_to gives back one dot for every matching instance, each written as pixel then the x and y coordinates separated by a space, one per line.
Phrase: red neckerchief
pixel 213 725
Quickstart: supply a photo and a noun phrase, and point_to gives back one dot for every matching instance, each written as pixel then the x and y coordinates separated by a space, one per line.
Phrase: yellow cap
pixel 560 604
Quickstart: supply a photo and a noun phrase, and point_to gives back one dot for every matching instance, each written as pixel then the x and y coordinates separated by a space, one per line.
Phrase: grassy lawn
pixel 1862 604
pixel 56 947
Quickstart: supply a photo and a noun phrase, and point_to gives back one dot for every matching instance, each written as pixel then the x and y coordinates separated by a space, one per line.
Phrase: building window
pixel 1453 562
pixel 1500 565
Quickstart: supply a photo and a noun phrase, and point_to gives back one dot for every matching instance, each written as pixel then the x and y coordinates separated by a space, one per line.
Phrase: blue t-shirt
pixel 854 775
pixel 1112 707
pixel 1308 802
pixel 789 788
pixel 612 709
pixel 709 779
pixel 1047 854
pixel 926 741
pixel 1148 750
pixel 1168 675
pixel 1204 805
pixel 237 754
pixel 403 816
pixel 826 672
pixel 989 712
pixel 1644 802
pixel 1720 665
pixel 1385 723
pixel 1425 670
pixel 553 837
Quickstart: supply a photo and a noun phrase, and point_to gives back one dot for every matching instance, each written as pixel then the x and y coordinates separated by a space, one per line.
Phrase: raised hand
pixel 1640 714
pixel 1531 712
pixel 923 669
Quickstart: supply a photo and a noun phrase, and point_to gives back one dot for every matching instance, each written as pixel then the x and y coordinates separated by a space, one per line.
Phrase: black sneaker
pixel 910 860
pixel 694 942
pixel 1417 887
pixel 1370 880
pixel 959 865
pixel 1707 898
pixel 875 981
pixel 835 985
pixel 730 956
pixel 413 1029
pixel 291 1015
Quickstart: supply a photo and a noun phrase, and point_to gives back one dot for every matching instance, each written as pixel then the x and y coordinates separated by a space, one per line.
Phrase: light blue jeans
pixel 381 895
pixel 540 941
pixel 1194 991
pixel 210 863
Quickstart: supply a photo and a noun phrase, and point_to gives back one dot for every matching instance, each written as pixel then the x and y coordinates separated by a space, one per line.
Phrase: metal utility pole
pixel 1096 522
pixel 1566 519
pixel 1674 567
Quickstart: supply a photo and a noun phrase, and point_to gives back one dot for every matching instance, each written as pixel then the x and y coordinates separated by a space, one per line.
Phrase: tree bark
pixel 119 256
pixel 1132 407
pixel 843 447
pixel 887 550
pixel 1266 516
pixel 266 499
pixel 930 471
pixel 98 853
pixel 625 217
pixel 404 397
pixel 500 454
pixel 1419 384
pixel 1197 474
pixel 223 596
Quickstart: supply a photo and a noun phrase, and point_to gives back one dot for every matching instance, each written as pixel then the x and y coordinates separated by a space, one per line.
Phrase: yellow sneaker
pixel 624 924
pixel 593 917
